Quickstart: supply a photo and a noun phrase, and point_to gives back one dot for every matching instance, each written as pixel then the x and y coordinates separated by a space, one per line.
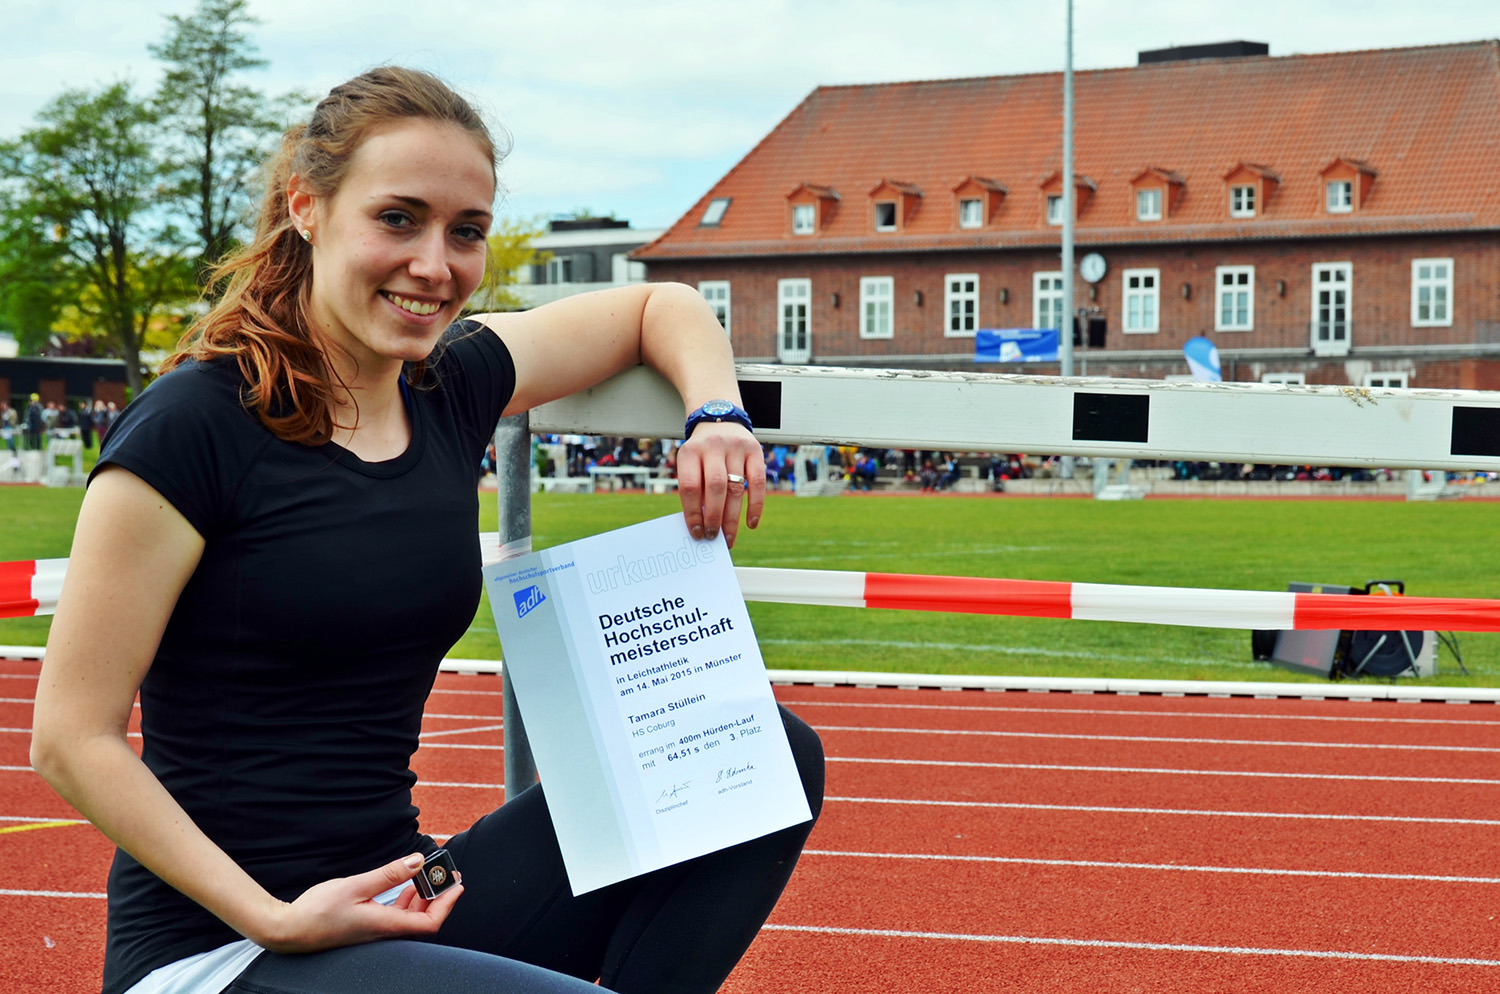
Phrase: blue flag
pixel 1203 359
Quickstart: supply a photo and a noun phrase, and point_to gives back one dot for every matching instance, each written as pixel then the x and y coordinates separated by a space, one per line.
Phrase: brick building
pixel 1323 218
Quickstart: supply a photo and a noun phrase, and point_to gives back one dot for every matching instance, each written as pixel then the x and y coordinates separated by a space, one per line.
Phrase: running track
pixel 1004 841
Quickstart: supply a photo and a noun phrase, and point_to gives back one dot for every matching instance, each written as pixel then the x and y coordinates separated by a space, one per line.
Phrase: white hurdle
pixel 997 412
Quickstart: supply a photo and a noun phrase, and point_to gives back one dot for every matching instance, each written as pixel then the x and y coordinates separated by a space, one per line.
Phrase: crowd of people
pixel 30 425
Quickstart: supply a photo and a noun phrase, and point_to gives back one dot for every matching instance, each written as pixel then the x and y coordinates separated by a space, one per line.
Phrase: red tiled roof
pixel 1424 121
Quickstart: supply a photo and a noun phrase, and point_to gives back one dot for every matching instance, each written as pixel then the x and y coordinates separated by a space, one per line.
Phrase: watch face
pixel 717 408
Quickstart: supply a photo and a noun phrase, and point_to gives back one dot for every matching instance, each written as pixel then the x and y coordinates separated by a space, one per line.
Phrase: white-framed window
pixel 1142 300
pixel 1331 300
pixel 1047 300
pixel 885 215
pixel 1148 204
pixel 877 295
pixel 714 212
pixel 793 303
pixel 971 213
pixel 1234 298
pixel 804 219
pixel 1054 208
pixel 961 304
pixel 1242 201
pixel 1286 379
pixel 716 292
pixel 1395 381
pixel 1432 293
pixel 560 269
pixel 1340 196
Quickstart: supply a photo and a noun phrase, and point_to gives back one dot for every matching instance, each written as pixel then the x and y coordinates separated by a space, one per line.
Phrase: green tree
pixel 85 179
pixel 509 250
pixel 31 277
pixel 216 131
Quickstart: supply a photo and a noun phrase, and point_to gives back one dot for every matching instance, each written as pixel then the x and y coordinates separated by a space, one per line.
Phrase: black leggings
pixel 517 929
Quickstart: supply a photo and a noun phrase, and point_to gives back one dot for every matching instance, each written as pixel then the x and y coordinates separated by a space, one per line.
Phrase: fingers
pixel 720 472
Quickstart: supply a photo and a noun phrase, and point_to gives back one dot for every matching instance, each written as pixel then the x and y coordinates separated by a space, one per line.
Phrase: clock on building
pixel 1091 267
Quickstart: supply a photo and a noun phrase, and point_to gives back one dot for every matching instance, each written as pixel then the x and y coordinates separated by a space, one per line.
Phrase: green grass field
pixel 1439 549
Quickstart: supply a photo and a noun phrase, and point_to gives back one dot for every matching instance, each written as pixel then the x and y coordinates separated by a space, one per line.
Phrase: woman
pixel 278 545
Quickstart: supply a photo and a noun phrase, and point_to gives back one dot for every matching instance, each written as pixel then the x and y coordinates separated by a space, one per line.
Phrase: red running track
pixel 978 841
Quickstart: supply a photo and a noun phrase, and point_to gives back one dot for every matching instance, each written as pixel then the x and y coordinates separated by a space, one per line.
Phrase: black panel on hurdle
pixel 1476 431
pixel 762 402
pixel 1111 417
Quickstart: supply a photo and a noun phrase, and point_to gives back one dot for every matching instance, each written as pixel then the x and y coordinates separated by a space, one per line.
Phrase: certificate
pixel 645 699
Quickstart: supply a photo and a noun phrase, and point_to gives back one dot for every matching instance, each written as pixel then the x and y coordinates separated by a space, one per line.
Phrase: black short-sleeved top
pixel 285 700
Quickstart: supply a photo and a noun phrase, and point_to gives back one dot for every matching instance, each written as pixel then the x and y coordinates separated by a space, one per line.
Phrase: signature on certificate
pixel 730 772
pixel 671 793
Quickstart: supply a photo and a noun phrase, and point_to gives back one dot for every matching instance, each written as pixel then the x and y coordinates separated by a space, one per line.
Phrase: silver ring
pixel 736 478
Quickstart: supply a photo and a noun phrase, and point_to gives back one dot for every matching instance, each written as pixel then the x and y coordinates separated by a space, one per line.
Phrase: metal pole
pixel 1069 194
pixel 513 493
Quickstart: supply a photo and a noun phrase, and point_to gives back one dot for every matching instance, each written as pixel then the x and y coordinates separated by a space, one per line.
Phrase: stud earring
pixel 307 236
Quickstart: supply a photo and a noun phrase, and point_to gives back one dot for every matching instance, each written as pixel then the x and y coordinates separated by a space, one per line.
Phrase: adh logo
pixel 528 599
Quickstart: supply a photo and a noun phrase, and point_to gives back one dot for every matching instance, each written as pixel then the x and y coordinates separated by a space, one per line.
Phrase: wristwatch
pixel 716 410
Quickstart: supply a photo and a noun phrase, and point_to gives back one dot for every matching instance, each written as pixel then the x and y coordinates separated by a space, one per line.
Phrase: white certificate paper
pixel 645 699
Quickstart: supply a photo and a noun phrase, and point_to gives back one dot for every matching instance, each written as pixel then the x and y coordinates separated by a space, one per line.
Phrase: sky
pixel 637 107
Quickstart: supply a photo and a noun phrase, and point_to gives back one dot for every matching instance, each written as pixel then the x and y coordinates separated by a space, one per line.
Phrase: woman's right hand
pixel 344 912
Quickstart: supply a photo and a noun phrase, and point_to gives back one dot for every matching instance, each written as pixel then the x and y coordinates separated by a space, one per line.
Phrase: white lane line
pixel 456 783
pixel 1094 864
pixel 48 821
pixel 1184 812
pixel 52 893
pixel 1150 712
pixel 17 700
pixel 474 693
pixel 1069 768
pixel 1036 940
pixel 1176 740
pixel 462 731
pixel 470 717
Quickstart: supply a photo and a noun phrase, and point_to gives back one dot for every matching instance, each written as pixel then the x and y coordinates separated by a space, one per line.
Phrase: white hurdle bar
pixel 1275 424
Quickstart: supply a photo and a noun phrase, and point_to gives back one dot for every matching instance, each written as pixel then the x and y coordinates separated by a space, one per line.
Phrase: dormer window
pixel 809 209
pixel 1242 201
pixel 1156 191
pixel 1249 188
pixel 971 213
pixel 714 212
pixel 804 219
pixel 1148 204
pixel 975 201
pixel 894 204
pixel 1346 185
pixel 1055 209
pixel 1052 190
pixel 1340 196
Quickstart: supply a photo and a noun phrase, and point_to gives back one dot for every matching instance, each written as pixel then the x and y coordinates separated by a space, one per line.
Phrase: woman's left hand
pixel 711 501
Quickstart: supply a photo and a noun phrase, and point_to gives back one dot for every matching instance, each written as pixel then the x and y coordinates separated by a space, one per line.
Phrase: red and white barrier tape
pixel 31 588
pixel 1245 609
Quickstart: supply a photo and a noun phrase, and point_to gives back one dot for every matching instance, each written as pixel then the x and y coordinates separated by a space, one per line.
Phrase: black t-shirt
pixel 285 700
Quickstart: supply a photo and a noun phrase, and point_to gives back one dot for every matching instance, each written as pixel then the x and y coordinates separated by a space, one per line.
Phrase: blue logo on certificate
pixel 528 599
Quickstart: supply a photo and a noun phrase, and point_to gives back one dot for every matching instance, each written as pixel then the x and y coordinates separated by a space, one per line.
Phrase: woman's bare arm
pixel 579 341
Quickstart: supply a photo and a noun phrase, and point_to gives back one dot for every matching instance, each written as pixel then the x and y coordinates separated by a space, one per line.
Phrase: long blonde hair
pixel 262 319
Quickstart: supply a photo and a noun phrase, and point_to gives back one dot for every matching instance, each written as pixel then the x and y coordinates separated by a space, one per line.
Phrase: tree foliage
pixel 216 130
pixel 81 190
pixel 509 250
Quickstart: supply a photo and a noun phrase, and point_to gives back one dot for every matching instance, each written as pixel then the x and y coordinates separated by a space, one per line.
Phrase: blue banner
pixel 1015 345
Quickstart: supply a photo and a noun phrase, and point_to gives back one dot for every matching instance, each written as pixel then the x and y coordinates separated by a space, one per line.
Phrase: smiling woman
pixel 277 546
